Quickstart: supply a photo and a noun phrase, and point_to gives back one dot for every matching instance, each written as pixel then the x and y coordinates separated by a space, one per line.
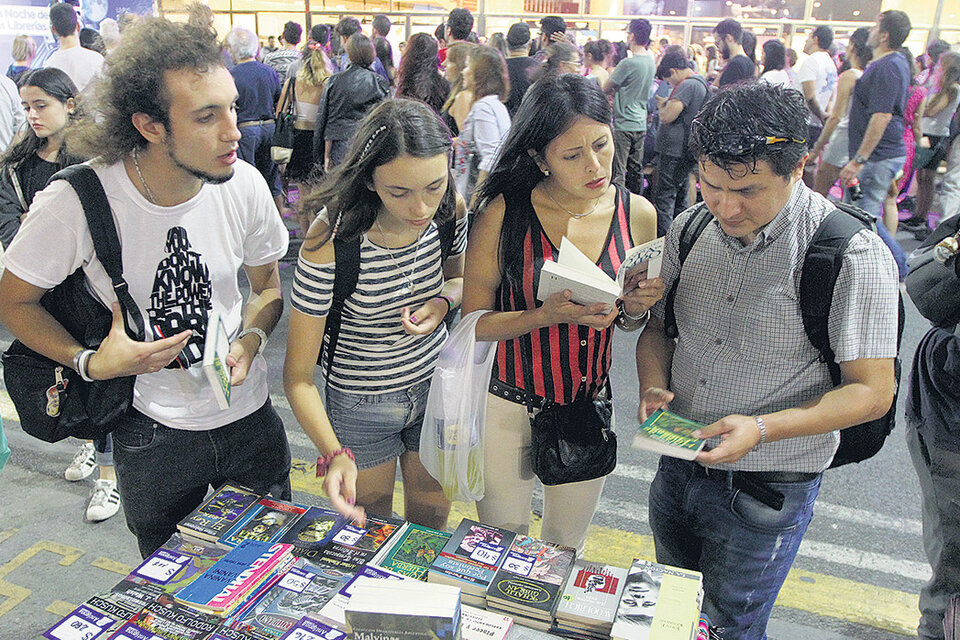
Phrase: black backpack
pixel 821 266
pixel 347 257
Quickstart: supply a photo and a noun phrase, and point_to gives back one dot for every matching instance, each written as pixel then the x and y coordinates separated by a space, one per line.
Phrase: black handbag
pixel 933 282
pixel 573 442
pixel 52 401
pixel 283 132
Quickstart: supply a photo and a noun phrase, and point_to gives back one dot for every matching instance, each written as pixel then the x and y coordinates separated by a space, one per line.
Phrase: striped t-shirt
pixel 374 354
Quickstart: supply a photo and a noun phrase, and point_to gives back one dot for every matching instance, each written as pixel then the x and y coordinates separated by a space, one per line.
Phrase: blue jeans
pixel 254 147
pixel 743 548
pixel 163 474
pixel 104 450
pixel 875 179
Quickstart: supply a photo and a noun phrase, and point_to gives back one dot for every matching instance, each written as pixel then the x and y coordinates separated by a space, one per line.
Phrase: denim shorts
pixel 378 427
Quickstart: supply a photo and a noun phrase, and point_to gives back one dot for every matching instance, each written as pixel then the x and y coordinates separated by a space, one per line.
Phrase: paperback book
pixel 531 578
pixel 313 531
pixel 333 610
pixel 172 567
pixel 216 347
pixel 668 434
pixel 471 558
pixel 225 585
pixel 133 631
pixel 353 546
pixel 310 629
pixel 83 622
pixel 588 283
pixel 169 619
pixel 403 610
pixel 658 602
pixel 218 513
pixel 412 550
pixel 478 624
pixel 266 521
pixel 590 597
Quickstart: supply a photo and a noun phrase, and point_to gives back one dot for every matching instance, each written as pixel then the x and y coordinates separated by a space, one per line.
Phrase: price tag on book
pixel 161 567
pixel 308 629
pixel 350 535
pixel 82 624
pixel 487 553
pixel 518 563
pixel 295 581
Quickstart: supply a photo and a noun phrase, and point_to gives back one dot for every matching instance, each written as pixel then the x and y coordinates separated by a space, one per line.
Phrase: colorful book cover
pixel 218 513
pixel 472 555
pixel 226 633
pixel 658 602
pixel 305 589
pixel 169 619
pixel 414 551
pixel 353 546
pixel 531 576
pixel 669 434
pixel 313 531
pixel 309 629
pixel 82 623
pixel 266 521
pixel 591 595
pixel 133 631
pixel 224 585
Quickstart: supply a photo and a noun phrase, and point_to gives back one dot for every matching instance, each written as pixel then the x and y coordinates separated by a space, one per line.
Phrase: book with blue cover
pixel 218 513
pixel 313 531
pixel 266 521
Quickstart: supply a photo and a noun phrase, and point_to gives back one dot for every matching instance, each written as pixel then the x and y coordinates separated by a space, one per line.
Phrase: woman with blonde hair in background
pixel 23 51
pixel 457 106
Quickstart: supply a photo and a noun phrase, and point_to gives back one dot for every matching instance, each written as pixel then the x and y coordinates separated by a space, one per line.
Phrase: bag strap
pixel 821 267
pixel 106 242
pixel 691 231
pixel 15 181
pixel 345 277
pixel 446 230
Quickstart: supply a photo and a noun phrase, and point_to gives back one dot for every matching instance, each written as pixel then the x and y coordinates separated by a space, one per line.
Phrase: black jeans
pixel 163 474
pixel 670 197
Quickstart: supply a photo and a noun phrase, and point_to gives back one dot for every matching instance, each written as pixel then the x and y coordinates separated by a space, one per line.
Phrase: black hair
pixel 729 27
pixel 60 87
pixel 824 36
pixel 320 33
pixel 620 51
pixel 440 32
pixel 745 112
pixel 381 24
pixel 749 43
pixel 640 29
pixel 774 55
pixel 896 24
pixel 550 25
pixel 347 27
pixel 63 19
pixel 460 23
pixel 548 109
pixel 91 39
pixel 594 50
pixel 672 59
pixel 394 128
pixel 418 77
pixel 908 55
pixel 292 32
pixel 360 50
pixel 937 47
pixel 384 51
pixel 858 44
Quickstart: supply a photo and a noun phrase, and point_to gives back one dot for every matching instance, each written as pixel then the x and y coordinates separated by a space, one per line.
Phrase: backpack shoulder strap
pixel 346 275
pixel 821 267
pixel 691 231
pixel 103 231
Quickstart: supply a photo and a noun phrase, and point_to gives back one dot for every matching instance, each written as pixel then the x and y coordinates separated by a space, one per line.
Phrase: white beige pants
pixel 509 482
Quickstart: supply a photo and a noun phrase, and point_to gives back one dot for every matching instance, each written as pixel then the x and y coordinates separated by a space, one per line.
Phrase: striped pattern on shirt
pixel 374 355
pixel 567 361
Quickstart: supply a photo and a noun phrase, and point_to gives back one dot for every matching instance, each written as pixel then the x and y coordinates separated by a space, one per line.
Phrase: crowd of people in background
pixel 522 139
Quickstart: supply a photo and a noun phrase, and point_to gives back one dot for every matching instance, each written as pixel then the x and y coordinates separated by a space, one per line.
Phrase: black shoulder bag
pixel 52 401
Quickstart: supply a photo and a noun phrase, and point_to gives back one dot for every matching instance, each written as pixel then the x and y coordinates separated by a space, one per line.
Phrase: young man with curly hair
pixel 189 216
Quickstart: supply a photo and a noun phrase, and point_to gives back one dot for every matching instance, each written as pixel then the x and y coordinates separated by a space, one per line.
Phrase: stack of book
pixel 412 550
pixel 530 579
pixel 403 610
pixel 658 602
pixel 470 559
pixel 333 610
pixel 589 601
pixel 218 513
pixel 265 521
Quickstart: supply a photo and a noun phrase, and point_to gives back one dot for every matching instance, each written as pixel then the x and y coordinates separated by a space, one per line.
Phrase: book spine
pixel 246 582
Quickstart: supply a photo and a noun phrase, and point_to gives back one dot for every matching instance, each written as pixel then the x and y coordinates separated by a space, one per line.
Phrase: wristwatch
pixel 859 159
pixel 259 332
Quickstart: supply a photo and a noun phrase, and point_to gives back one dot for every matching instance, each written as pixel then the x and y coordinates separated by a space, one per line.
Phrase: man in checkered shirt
pixel 743 364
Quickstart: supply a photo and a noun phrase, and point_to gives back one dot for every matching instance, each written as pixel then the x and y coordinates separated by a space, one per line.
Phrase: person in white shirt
pixel 190 216
pixel 12 117
pixel 774 60
pixel 817 78
pixel 81 64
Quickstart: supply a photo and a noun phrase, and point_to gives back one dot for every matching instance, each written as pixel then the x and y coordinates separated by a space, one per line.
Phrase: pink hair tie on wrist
pixel 323 462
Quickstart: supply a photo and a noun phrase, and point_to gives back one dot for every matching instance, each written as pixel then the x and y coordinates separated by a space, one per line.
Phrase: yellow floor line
pixel 113 566
pixel 60 608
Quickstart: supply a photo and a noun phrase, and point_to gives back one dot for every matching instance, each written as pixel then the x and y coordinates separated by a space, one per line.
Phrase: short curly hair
pixel 134 82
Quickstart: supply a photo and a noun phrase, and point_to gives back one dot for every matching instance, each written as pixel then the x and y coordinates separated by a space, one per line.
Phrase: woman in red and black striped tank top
pixel 552 180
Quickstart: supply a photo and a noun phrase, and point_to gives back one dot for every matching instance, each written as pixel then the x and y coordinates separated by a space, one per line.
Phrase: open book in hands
pixel 588 283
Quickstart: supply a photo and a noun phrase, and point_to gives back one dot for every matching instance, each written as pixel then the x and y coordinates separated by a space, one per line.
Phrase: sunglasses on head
pixel 736 144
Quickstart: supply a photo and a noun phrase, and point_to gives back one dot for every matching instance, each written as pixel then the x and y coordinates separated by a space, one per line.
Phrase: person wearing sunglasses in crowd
pixel 743 364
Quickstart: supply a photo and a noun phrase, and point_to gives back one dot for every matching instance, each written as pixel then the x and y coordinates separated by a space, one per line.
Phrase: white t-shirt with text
pixel 179 262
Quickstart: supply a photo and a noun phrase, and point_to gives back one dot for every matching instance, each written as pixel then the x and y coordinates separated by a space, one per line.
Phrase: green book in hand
pixel 670 435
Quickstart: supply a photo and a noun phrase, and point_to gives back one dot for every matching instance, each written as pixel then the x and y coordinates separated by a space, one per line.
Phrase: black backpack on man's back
pixel 821 266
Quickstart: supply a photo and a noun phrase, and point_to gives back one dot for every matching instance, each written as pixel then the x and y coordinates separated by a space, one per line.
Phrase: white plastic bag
pixel 451 441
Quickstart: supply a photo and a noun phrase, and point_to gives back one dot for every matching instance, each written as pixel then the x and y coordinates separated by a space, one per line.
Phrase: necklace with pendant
pixel 408 285
pixel 571 213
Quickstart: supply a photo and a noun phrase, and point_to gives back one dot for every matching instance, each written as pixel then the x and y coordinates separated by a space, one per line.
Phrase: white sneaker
pixel 83 463
pixel 104 501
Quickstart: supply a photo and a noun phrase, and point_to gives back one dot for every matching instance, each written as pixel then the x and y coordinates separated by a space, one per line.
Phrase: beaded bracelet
pixel 323 462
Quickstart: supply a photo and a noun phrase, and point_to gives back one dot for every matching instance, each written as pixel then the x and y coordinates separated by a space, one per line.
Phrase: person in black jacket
pixel 49 98
pixel 347 98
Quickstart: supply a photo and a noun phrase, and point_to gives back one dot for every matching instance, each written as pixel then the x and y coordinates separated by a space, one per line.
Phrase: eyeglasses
pixel 735 144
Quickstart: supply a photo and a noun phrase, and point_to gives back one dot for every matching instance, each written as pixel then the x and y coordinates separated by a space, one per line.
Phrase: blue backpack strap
pixel 692 230
pixel 346 275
